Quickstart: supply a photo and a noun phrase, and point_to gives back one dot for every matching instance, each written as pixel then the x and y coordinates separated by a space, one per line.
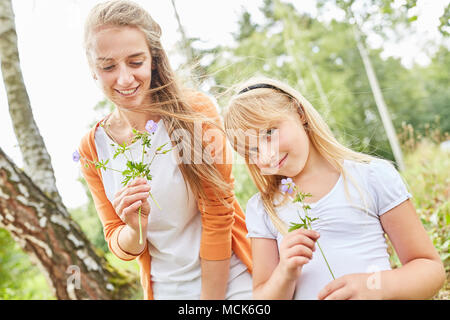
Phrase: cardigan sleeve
pixel 217 219
pixel 112 224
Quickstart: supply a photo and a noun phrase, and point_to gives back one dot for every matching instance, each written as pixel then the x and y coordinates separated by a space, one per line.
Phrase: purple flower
pixel 76 156
pixel 151 126
pixel 287 185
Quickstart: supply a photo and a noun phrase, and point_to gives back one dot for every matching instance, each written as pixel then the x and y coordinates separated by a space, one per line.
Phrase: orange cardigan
pixel 223 229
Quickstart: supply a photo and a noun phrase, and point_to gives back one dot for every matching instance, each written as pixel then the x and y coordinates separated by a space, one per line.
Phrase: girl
pixel 355 200
pixel 195 244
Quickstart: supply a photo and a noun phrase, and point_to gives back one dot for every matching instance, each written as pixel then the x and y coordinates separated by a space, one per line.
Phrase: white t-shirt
pixel 173 233
pixel 351 237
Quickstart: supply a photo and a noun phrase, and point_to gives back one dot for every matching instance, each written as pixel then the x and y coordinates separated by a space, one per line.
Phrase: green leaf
pixel 294 226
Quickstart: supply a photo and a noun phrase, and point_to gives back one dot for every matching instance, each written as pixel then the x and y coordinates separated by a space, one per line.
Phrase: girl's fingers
pixel 299 250
pixel 330 288
pixel 301 236
pixel 340 294
pixel 296 262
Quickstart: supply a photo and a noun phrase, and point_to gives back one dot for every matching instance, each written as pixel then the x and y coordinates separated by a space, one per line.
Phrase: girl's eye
pixel 108 68
pixel 253 152
pixel 269 133
pixel 136 63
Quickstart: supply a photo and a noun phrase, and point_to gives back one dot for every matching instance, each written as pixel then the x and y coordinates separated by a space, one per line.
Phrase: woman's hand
pixel 128 200
pixel 296 250
pixel 357 286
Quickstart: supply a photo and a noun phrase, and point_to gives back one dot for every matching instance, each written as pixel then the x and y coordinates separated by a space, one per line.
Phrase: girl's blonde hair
pixel 260 108
pixel 166 98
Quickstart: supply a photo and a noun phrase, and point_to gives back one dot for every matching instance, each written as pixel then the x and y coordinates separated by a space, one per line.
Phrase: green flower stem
pixel 326 261
pixel 151 161
pixel 154 200
pixel 113 169
pixel 95 163
pixel 323 255
pixel 140 226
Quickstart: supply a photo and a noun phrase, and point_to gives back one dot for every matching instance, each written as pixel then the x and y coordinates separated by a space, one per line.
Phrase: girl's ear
pixel 301 113
pixel 94 76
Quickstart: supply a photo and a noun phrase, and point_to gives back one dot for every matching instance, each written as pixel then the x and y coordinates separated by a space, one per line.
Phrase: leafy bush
pixel 20 279
pixel 427 174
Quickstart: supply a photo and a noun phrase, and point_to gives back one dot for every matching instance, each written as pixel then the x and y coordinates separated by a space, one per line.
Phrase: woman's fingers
pixel 138 182
pixel 130 210
pixel 127 201
pixel 127 191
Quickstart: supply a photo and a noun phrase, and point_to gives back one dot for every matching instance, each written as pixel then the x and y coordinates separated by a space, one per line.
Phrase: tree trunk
pixel 184 40
pixel 32 209
pixel 37 162
pixel 53 241
pixel 381 105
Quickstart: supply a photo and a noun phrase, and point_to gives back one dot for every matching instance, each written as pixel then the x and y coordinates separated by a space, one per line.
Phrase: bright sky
pixel 63 93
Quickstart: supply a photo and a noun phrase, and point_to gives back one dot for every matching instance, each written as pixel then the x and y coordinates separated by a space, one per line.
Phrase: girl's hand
pixel 357 286
pixel 296 250
pixel 128 200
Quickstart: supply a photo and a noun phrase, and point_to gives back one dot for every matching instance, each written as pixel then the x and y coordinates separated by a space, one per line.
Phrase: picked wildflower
pixel 151 126
pixel 287 185
pixel 134 169
pixel 76 156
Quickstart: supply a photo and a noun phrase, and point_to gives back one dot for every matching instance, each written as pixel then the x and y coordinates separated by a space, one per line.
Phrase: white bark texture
pixel 55 242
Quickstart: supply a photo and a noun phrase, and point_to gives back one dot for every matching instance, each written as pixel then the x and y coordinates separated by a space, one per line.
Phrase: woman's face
pixel 282 149
pixel 122 65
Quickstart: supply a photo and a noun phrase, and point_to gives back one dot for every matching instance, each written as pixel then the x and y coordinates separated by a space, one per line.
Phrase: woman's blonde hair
pixel 166 98
pixel 259 104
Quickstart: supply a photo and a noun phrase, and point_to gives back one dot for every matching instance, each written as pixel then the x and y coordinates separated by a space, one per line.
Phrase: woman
pixel 196 244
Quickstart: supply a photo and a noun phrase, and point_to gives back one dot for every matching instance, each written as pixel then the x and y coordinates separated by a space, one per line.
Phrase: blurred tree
pixel 444 26
pixel 320 58
pixel 32 210
pixel 358 13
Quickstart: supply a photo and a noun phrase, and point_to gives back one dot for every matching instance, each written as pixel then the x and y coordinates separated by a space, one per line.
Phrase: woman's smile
pixel 129 92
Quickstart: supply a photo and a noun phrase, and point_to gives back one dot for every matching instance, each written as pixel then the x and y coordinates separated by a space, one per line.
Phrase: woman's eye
pixel 136 63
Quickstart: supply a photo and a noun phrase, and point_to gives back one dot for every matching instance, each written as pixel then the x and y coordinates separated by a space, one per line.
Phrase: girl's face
pixel 122 65
pixel 282 149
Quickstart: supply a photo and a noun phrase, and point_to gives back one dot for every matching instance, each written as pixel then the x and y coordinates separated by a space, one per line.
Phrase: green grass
pixel 427 174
